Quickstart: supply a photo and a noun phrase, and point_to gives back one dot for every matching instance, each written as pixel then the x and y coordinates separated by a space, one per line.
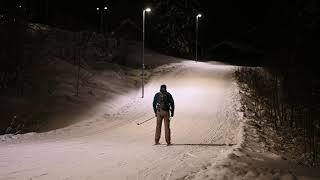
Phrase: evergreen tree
pixel 173 23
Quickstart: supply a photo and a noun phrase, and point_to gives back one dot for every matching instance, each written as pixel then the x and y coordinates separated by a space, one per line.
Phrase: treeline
pixel 172 26
pixel 289 84
pixel 18 51
pixel 28 49
pixel 291 103
pixel 30 57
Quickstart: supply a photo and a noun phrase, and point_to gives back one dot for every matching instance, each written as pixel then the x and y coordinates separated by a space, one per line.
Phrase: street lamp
pixel 143 39
pixel 148 9
pixel 197 29
pixel 101 11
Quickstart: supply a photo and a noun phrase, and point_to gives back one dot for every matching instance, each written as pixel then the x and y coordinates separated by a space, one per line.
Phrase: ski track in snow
pixel 108 144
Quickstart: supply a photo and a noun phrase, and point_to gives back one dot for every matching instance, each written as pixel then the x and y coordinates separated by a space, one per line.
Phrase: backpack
pixel 163 103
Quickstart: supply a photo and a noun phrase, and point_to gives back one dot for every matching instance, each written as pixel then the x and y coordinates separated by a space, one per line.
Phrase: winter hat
pixel 163 88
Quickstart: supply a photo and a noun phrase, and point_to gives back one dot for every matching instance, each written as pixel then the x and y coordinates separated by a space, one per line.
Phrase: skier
pixel 163 103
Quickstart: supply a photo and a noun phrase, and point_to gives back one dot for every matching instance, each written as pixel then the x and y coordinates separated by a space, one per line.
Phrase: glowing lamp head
pixel 98 9
pixel 148 9
pixel 105 8
pixel 199 15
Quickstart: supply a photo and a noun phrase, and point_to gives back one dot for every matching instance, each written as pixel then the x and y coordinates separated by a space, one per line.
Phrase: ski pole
pixel 145 121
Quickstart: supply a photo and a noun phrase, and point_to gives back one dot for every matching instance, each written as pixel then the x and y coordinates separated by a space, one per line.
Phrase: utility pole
pixel 143 39
pixel 197 29
pixel 101 11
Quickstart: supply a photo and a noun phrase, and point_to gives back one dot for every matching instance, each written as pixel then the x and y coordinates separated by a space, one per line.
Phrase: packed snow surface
pixel 108 144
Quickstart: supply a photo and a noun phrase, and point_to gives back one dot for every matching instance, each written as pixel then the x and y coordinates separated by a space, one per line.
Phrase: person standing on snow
pixel 163 103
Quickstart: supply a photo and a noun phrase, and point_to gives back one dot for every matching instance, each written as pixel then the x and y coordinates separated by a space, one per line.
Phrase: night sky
pixel 226 18
pixel 222 20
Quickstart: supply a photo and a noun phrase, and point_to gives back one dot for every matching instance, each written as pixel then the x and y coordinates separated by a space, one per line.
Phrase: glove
pixel 172 114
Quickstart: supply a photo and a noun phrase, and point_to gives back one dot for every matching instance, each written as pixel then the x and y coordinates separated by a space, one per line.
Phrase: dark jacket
pixel 156 100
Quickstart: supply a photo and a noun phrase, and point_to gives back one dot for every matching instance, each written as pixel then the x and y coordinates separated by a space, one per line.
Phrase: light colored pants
pixel 163 115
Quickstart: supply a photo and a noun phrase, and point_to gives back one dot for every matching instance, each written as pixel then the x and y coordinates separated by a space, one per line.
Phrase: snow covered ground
pixel 213 137
pixel 108 144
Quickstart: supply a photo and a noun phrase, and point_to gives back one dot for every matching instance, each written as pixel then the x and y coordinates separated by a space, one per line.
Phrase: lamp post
pixel 197 29
pixel 143 39
pixel 101 11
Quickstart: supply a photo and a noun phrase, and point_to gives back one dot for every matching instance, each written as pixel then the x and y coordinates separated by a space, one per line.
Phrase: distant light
pixel 20 6
pixel 148 10
pixel 105 8
pixel 199 15
pixel 98 9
